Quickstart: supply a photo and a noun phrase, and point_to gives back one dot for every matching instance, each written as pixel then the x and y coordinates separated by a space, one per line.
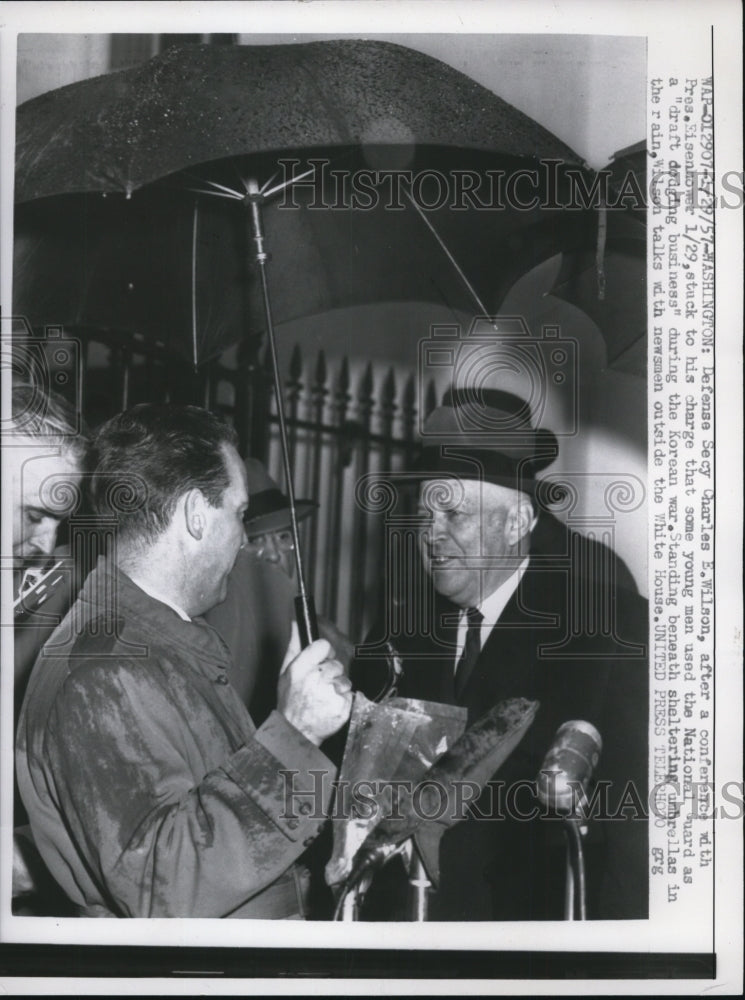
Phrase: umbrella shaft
pixel 306 613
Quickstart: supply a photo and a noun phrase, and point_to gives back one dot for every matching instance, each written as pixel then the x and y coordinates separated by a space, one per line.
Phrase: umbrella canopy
pixel 158 260
pixel 198 103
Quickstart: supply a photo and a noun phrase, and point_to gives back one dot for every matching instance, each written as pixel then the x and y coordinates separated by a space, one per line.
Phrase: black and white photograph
pixel 372 498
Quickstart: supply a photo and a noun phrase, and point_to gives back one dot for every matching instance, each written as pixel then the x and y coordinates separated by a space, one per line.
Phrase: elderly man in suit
pixel 502 618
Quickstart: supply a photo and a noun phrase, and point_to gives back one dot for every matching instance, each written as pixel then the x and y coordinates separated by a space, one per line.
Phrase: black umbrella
pixel 169 264
pixel 199 103
pixel 158 260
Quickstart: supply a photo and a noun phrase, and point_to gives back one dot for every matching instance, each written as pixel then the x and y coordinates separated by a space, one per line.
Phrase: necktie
pixel 471 650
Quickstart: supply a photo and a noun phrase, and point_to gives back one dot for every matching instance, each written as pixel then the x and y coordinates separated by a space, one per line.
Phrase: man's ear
pixel 194 513
pixel 519 521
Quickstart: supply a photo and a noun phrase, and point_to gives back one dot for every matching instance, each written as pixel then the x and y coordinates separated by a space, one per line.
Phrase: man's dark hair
pixel 146 458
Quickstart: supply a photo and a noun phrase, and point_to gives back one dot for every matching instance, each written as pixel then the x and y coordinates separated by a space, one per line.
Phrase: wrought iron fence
pixel 346 419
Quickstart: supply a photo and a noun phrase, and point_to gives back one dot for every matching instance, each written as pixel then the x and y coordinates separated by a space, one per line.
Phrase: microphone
pixel 568 766
pixel 475 757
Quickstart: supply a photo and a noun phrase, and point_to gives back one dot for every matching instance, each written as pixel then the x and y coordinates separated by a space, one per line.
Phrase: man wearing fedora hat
pixel 501 617
pixel 267 519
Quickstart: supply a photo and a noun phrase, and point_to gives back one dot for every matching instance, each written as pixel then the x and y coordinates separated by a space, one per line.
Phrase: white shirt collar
pixel 491 608
pixel 493 605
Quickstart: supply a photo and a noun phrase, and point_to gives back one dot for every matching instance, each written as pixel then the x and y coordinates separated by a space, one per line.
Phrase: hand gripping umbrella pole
pixel 304 605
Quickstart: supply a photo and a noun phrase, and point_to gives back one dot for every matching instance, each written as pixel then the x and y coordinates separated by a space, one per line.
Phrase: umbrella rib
pixel 230 192
pixel 216 194
pixel 284 184
pixel 265 185
pixel 445 250
pixel 224 187
pixel 194 283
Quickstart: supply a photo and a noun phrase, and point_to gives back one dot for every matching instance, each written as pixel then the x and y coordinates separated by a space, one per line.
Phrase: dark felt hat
pixel 484 434
pixel 268 507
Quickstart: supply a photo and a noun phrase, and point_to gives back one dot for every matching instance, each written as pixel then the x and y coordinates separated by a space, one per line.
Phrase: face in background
pixel 42 487
pixel 275 547
pixel 469 540
pixel 224 536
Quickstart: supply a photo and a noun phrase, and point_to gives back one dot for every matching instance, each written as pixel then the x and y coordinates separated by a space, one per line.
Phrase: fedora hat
pixel 268 507
pixel 484 434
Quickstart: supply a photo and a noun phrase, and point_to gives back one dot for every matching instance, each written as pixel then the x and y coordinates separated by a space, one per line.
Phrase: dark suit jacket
pixel 580 650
